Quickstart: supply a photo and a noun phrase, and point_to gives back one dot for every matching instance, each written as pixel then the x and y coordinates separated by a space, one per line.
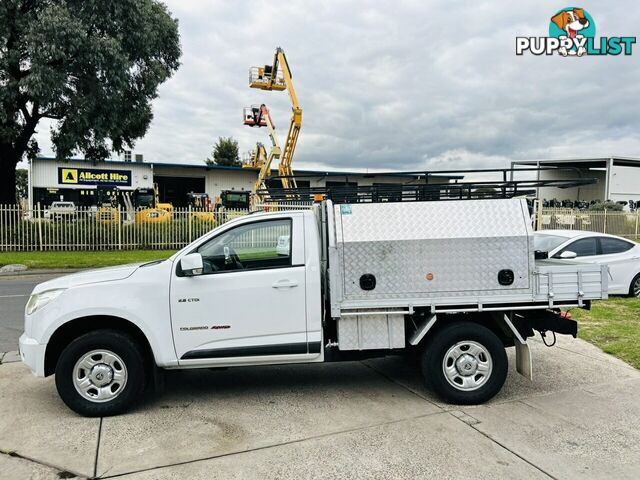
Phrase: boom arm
pixel 267 78
pixel 274 153
pixel 284 169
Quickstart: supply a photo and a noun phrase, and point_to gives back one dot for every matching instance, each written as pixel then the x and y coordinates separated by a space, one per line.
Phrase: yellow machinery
pixel 155 211
pixel 278 77
pixel 107 215
pixel 154 215
pixel 168 207
pixel 257 117
pixel 255 158
pixel 202 207
pixel 140 206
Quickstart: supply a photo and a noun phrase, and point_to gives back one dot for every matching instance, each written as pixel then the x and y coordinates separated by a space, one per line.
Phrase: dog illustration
pixel 572 21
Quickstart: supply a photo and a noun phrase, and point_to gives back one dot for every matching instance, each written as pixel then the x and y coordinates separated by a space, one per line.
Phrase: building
pixel 618 178
pixel 81 181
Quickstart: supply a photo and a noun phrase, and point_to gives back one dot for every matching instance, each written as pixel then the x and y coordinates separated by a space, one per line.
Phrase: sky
pixel 403 85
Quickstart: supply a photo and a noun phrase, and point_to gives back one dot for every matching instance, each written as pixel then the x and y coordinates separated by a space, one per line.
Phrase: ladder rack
pixel 419 188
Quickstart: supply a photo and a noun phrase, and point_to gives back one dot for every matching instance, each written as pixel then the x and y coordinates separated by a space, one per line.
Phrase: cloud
pixel 402 85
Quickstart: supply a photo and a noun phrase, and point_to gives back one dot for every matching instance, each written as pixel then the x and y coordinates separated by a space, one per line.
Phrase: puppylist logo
pixel 572 33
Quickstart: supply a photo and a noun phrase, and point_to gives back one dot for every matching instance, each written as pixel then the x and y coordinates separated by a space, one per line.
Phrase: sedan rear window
pixel 546 243
pixel 614 245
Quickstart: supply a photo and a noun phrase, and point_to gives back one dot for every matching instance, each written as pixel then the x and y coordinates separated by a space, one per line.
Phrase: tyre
pixel 101 373
pixel 465 363
pixel 634 289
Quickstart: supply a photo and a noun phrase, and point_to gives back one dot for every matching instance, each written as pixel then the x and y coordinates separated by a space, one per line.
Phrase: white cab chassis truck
pixel 455 282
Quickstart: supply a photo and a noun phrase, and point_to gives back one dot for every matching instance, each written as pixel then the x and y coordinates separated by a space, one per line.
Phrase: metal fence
pixel 106 228
pixel 112 228
pixel 623 224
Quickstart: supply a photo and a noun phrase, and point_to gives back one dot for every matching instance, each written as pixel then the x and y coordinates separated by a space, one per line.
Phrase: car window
pixel 614 245
pixel 546 243
pixel 584 247
pixel 251 246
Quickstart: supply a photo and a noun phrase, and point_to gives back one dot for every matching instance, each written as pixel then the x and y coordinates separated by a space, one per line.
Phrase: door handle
pixel 285 284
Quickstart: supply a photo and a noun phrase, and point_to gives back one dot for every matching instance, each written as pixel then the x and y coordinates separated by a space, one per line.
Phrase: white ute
pixel 455 281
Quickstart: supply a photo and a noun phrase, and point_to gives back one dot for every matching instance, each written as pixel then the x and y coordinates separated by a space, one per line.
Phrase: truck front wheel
pixel 465 363
pixel 101 373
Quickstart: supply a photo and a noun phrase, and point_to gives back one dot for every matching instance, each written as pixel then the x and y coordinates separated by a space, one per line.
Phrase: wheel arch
pixel 488 320
pixel 69 331
pixel 634 278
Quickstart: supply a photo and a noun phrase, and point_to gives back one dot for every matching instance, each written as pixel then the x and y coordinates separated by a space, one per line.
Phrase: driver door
pixel 250 300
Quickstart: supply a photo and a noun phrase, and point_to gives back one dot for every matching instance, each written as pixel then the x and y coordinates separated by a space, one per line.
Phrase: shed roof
pixel 299 172
pixel 596 162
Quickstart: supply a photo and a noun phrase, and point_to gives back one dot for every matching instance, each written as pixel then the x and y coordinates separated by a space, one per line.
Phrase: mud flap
pixel 524 365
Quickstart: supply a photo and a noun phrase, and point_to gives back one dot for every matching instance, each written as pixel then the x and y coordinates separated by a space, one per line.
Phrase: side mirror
pixel 568 255
pixel 191 264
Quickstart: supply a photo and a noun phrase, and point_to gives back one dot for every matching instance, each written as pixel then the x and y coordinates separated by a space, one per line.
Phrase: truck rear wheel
pixel 465 363
pixel 101 373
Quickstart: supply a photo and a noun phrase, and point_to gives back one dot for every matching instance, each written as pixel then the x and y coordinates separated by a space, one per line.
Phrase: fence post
pixel 120 220
pixel 637 214
pixel 605 221
pixel 39 226
pixel 190 226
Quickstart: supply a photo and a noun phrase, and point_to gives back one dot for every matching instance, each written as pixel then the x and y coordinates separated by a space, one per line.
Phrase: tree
pixel 22 183
pixel 92 66
pixel 225 152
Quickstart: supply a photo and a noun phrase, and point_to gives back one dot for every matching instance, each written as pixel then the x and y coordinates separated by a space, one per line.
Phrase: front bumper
pixel 32 354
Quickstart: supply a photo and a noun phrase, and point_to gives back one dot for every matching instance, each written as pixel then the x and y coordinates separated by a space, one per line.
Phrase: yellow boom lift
pixel 278 77
pixel 255 158
pixel 258 116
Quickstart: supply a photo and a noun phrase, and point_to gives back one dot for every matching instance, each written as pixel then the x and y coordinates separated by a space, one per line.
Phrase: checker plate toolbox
pixel 387 259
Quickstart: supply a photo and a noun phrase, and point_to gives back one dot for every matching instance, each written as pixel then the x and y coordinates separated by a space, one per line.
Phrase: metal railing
pixel 623 224
pixel 106 228
pixel 497 183
pixel 258 77
pixel 113 228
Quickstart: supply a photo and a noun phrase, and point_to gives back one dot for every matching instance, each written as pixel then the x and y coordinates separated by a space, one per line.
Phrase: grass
pixel 107 258
pixel 614 326
pixel 82 259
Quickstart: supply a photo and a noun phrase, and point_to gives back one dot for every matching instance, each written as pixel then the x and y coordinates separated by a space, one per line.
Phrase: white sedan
pixel 621 255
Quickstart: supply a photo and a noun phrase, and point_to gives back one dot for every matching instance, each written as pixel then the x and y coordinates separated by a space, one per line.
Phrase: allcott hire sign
pixel 94 176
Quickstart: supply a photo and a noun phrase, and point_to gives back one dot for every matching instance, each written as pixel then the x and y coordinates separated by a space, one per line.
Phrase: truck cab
pixel 245 303
pixel 266 301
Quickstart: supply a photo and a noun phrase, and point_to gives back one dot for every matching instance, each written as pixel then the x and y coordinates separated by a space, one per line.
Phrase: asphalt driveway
pixel 579 418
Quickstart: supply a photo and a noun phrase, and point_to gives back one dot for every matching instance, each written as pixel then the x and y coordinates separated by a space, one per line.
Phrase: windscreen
pixel 235 197
pixel 145 200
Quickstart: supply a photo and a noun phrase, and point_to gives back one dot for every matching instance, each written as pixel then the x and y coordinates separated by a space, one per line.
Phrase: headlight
pixel 39 300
